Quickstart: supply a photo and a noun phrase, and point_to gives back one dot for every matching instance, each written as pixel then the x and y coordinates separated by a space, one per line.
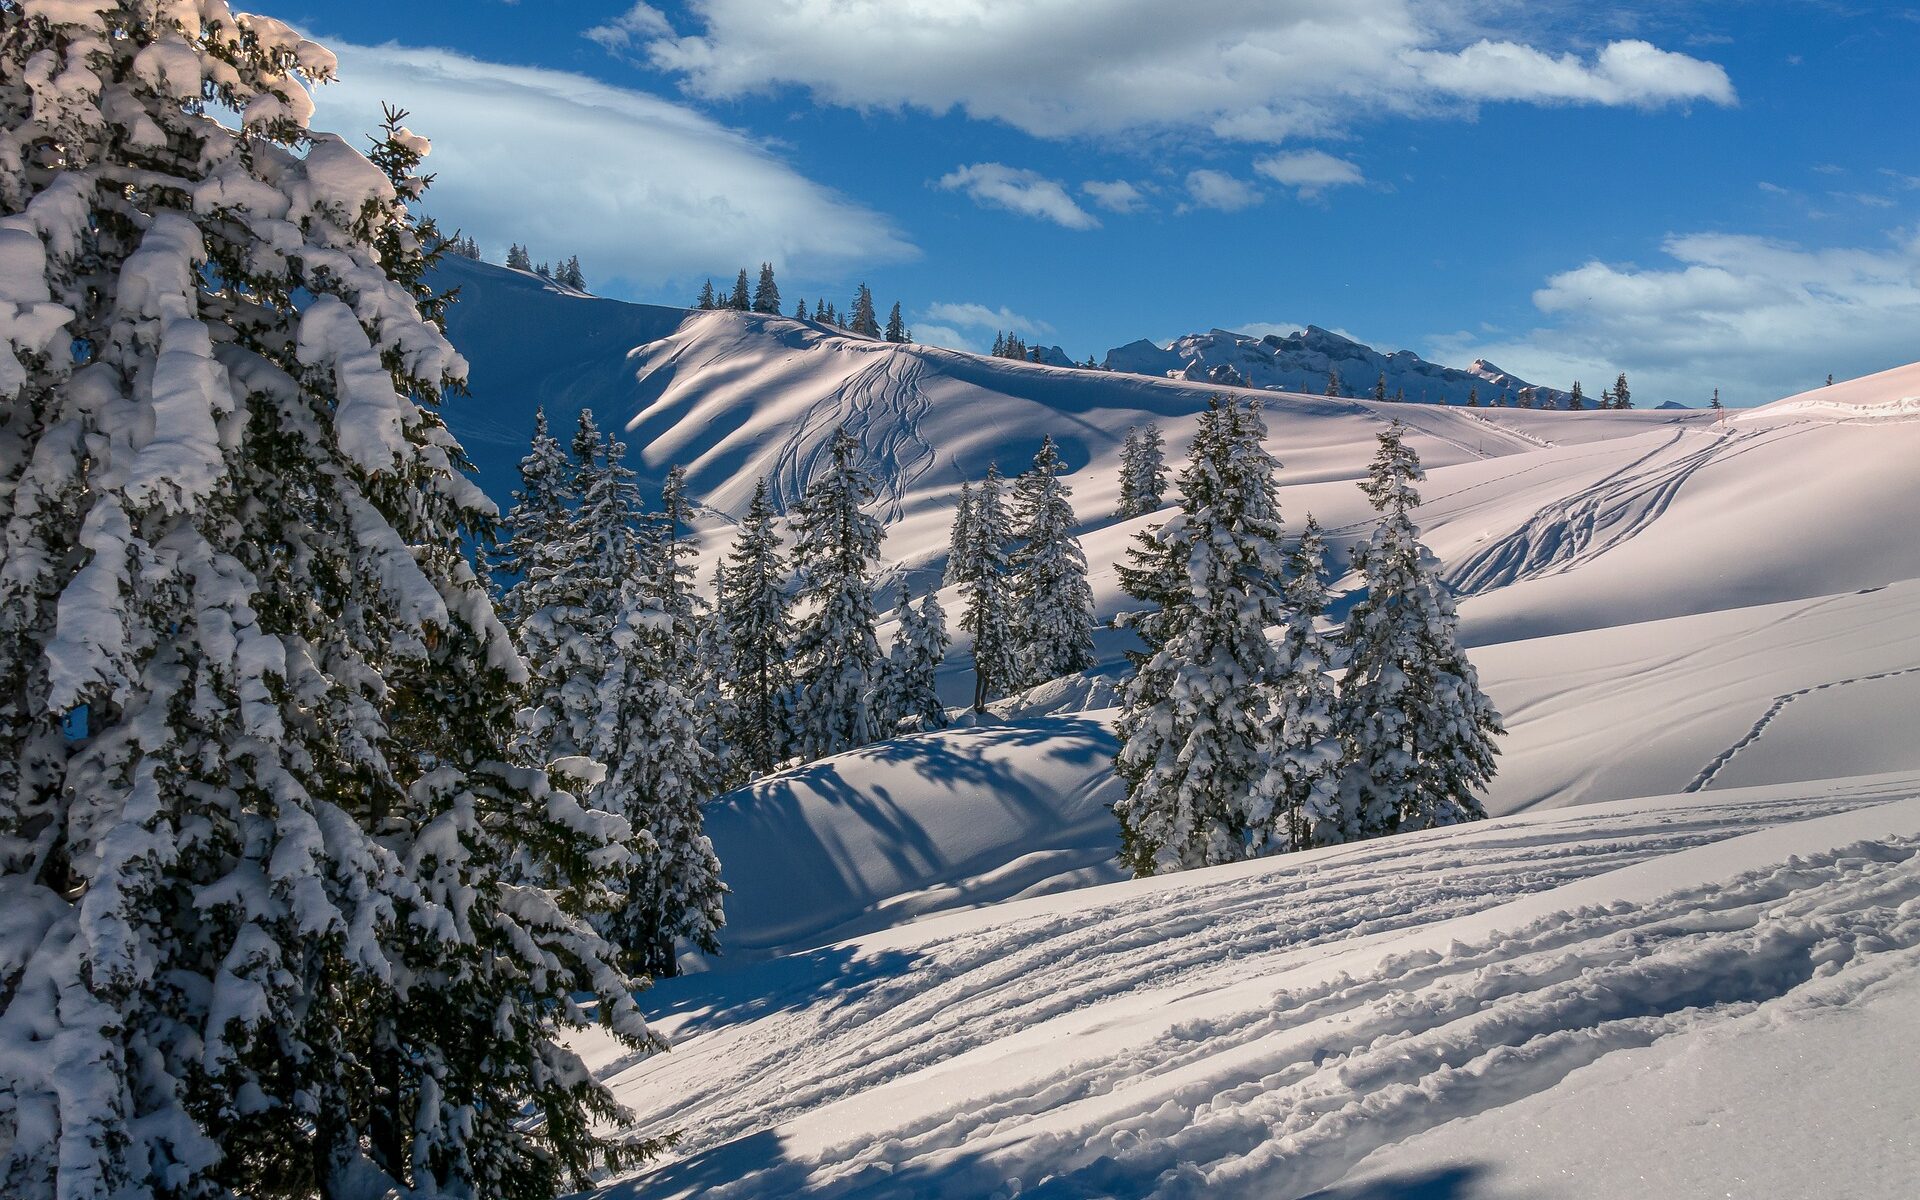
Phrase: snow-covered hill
pixel 1703 630
pixel 1307 360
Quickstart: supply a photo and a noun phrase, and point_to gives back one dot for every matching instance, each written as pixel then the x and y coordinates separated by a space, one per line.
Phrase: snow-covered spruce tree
pixel 754 604
pixel 863 320
pixel 738 300
pixel 1622 395
pixel 1418 731
pixel 897 331
pixel 1053 606
pixel 960 536
pixel 518 258
pixel 535 531
pixel 766 294
pixel 706 299
pixel 1197 742
pixel 258 938
pixel 653 736
pixel 908 696
pixel 989 594
pixel 836 550
pixel 1304 783
pixel 1143 471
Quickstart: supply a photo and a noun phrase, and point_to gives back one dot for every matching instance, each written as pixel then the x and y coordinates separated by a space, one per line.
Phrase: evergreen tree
pixel 982 576
pixel 999 344
pixel 1197 743
pixel 766 295
pixel 833 315
pixel 1622 398
pixel 1576 399
pixel 864 321
pixel 1527 395
pixel 1380 387
pixel 960 538
pixel 820 311
pixel 652 735
pixel 1473 396
pixel 1715 404
pixel 1418 731
pixel 897 330
pixel 800 310
pixel 263 936
pixel 1304 782
pixel 543 271
pixel 535 530
pixel 1053 605
pixel 518 259
pixel 836 551
pixel 1143 471
pixel 908 696
pixel 739 301
pixel 706 300
pixel 754 605
pixel 571 276
pixel 1333 383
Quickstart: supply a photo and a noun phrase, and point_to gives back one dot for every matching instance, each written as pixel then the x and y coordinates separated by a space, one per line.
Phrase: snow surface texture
pixel 1262 1029
pixel 935 983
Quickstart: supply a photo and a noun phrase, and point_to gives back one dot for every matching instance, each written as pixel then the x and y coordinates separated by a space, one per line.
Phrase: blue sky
pixel 1702 194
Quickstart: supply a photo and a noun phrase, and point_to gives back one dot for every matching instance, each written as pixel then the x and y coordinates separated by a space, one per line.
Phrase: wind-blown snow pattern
pixel 1699 899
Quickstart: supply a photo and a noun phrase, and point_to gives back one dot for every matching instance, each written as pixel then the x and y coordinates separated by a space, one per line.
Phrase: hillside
pixel 937 982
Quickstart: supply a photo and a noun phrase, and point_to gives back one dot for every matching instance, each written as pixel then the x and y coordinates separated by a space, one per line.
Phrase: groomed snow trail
pixel 1179 1037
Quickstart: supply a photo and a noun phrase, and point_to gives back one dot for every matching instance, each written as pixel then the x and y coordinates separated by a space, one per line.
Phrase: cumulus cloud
pixel 1309 172
pixel 638 25
pixel 1218 190
pixel 1015 189
pixel 1115 195
pixel 1757 317
pixel 646 191
pixel 1263 70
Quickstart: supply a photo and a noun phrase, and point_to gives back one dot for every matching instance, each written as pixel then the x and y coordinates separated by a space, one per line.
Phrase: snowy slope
pixel 1263 1029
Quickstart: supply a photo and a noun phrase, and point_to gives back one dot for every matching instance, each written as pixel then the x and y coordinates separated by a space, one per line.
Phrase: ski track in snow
pixel 1611 511
pixel 1725 758
pixel 881 405
pixel 1283 1095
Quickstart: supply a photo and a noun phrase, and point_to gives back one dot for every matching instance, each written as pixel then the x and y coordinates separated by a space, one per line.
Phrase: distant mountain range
pixel 1306 361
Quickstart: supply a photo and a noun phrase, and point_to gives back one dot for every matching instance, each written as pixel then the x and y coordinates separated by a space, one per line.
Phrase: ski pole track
pixel 971 989
pixel 1605 515
pixel 1720 761
pixel 1326 1073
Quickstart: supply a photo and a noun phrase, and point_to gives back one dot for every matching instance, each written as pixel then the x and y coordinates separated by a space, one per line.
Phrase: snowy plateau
pixel 1682 960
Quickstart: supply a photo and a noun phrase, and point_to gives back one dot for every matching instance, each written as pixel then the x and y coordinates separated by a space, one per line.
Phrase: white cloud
pixel 638 25
pixel 1310 172
pixel 946 335
pixel 979 316
pixel 1115 195
pixel 1757 317
pixel 1263 70
pixel 1015 189
pixel 1217 189
pixel 644 190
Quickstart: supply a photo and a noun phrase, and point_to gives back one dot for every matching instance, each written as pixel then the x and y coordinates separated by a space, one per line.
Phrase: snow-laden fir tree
pixel 652 735
pixel 836 551
pixel 706 300
pixel 740 301
pixel 1622 395
pixel 766 294
pixel 960 536
pixel 908 696
pixel 820 311
pixel 863 320
pixel 800 309
pixel 1304 782
pixel 535 531
pixel 257 936
pixel 1197 742
pixel 988 592
pixel 897 330
pixel 713 699
pixel 1053 605
pixel 518 258
pixel 754 608
pixel 1143 471
pixel 1418 731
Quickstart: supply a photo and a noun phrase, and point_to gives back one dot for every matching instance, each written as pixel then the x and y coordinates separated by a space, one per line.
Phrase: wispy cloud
pixel 1309 172
pixel 1208 188
pixel 1015 189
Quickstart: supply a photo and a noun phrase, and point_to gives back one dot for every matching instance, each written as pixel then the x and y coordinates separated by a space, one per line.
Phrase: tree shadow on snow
pixel 1439 1183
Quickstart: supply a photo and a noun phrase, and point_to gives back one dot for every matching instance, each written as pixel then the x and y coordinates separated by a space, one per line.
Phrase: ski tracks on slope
pixel 1611 511
pixel 1304 1085
pixel 883 407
